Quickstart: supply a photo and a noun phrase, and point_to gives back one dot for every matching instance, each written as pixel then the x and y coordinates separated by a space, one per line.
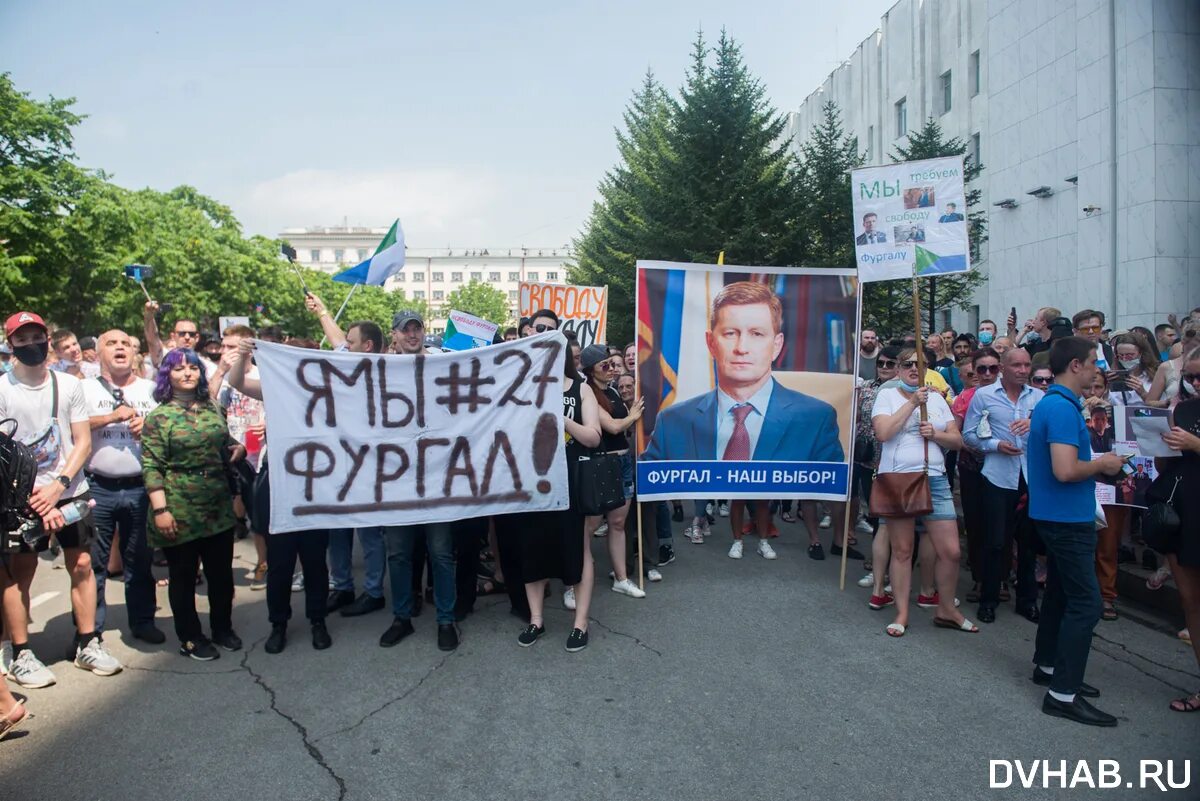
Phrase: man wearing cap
pixel 408 332
pixel 51 416
pixel 118 401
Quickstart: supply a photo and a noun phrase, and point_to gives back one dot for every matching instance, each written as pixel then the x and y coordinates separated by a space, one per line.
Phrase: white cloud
pixel 436 206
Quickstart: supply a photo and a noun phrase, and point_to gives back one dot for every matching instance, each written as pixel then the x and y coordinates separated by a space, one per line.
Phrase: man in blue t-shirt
pixel 1062 504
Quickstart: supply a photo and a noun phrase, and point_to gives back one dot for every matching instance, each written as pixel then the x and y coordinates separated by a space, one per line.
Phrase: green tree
pixel 706 172
pixel 888 304
pixel 481 300
pixel 826 159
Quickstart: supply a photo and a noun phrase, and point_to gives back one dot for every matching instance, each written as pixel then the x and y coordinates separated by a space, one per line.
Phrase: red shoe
pixel 878 602
pixel 747 528
pixel 928 601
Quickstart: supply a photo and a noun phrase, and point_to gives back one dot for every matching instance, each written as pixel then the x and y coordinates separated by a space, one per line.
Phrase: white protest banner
pixel 465 331
pixel 910 219
pixel 369 440
pixel 582 309
pixel 225 322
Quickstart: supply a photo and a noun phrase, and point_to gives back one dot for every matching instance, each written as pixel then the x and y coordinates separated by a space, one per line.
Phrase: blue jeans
pixel 123 510
pixel 341 549
pixel 439 539
pixel 1071 605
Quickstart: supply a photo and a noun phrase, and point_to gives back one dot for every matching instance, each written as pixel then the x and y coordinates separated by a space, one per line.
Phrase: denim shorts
pixel 627 473
pixel 943 499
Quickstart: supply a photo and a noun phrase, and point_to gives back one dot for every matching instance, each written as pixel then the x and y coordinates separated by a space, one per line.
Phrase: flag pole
pixel 916 299
pixel 349 294
pixel 641 562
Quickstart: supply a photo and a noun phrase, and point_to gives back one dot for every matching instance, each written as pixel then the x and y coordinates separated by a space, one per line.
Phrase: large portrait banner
pixel 377 439
pixel 747 374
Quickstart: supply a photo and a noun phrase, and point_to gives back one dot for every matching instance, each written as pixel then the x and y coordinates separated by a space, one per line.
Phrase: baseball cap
pixel 87 343
pixel 592 355
pixel 403 318
pixel 22 319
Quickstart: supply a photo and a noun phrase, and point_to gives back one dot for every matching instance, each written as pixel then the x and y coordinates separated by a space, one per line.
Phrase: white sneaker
pixel 826 521
pixel 694 535
pixel 863 527
pixel 298 582
pixel 765 550
pixel 708 508
pixel 601 530
pixel 653 575
pixel 96 659
pixel 735 550
pixel 5 657
pixel 28 671
pixel 888 589
pixel 867 580
pixel 723 509
pixel 569 598
pixel 627 587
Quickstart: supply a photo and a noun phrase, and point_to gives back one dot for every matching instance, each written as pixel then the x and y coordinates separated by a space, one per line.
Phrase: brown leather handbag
pixel 902 494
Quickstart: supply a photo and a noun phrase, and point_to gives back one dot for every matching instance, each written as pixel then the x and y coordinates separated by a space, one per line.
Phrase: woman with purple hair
pixel 186 450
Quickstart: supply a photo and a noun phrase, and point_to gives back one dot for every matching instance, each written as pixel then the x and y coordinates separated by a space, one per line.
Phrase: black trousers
pixel 1003 524
pixel 183 563
pixel 469 537
pixel 282 551
pixel 508 542
pixel 970 490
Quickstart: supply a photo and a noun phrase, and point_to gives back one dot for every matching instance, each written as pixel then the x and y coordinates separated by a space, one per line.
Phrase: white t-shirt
pixel 905 453
pixel 115 452
pixel 241 412
pixel 51 440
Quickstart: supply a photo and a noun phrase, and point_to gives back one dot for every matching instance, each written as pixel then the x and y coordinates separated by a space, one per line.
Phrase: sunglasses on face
pixel 1089 329
pixel 187 333
pixel 1040 379
pixel 542 328
pixel 886 364
pixel 908 365
pixel 987 369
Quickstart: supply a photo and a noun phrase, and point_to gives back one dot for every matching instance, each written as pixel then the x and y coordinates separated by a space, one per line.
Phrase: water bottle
pixel 74 511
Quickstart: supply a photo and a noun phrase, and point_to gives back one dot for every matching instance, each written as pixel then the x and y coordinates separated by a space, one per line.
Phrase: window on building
pixel 551 276
pixel 901 117
pixel 973 73
pixel 514 276
pixel 439 276
pixel 972 318
pixel 494 277
pixel 512 295
pixel 476 276
pixel 456 277
pixel 976 154
pixel 947 92
pixel 399 276
pixel 533 276
pixel 339 256
pixel 314 256
pixel 439 294
pixel 418 276
pixel 419 294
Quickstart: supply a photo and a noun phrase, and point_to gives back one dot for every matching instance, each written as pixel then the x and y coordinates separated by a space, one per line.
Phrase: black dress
pixel 1187 496
pixel 552 542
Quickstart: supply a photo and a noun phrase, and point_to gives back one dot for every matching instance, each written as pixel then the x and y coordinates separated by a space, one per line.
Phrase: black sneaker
pixel 577 641
pixel 666 555
pixel 320 636
pixel 400 628
pixel 530 635
pixel 150 633
pixel 227 640
pixel 201 650
pixel 362 605
pixel 447 636
pixel 278 639
pixel 851 553
pixel 815 551
pixel 337 599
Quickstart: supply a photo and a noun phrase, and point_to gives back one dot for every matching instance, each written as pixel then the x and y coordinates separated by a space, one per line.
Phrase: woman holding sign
pixel 554 544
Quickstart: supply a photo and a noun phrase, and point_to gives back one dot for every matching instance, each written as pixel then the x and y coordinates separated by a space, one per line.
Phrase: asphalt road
pixel 732 680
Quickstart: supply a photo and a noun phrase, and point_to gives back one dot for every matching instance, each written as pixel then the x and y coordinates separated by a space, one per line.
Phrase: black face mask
pixel 31 355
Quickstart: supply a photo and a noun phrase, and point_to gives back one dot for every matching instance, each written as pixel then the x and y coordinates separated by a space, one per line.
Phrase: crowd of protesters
pixel 152 451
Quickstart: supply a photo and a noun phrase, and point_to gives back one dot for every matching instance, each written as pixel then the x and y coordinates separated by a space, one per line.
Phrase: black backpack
pixel 18 471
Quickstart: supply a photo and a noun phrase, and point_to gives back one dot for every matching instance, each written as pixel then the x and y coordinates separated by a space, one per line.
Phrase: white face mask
pixel 1186 388
pixel 1130 364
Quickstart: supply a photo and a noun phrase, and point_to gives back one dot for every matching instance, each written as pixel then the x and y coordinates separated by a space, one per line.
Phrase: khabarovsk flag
pixel 387 261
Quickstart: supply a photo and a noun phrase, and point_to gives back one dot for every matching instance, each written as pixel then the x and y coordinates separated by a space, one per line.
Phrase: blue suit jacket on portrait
pixel 797 428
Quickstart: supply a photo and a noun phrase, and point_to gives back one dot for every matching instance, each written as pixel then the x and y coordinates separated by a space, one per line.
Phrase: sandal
pixel 1109 612
pixel 966 626
pixel 1189 703
pixel 10 721
pixel 896 629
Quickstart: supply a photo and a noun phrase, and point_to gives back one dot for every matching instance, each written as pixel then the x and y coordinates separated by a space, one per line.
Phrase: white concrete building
pixel 1085 115
pixel 431 274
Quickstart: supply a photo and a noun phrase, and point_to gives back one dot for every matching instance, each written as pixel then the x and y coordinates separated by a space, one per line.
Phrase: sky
pixel 478 124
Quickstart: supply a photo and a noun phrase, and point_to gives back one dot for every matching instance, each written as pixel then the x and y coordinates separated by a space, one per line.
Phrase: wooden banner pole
pixel 641 568
pixel 916 299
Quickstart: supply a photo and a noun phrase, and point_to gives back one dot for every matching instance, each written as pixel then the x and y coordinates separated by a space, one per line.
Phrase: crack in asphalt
pixel 300 728
pixel 1138 667
pixel 637 640
pixel 437 665
pixel 184 672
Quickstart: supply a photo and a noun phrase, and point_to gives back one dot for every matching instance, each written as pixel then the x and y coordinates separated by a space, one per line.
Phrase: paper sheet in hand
pixel 1146 425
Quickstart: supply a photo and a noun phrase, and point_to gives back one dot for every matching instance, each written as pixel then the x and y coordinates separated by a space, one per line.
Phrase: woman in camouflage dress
pixel 186 452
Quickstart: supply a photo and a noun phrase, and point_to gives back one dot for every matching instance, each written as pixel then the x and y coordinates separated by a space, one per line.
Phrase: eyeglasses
pixel 908 365
pixel 542 328
pixel 886 364
pixel 1089 329
pixel 187 333
pixel 1040 379
pixel 988 369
